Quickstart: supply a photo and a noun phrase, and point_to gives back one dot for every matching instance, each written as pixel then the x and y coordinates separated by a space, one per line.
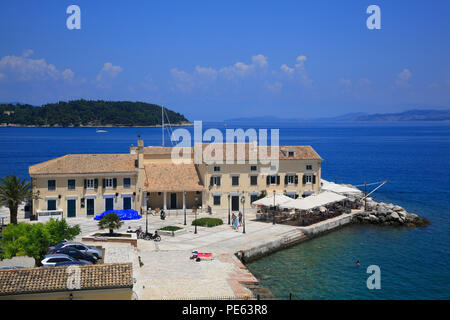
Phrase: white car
pixel 52 259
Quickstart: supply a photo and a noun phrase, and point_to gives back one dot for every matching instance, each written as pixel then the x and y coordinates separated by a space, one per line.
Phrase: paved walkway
pixel 167 271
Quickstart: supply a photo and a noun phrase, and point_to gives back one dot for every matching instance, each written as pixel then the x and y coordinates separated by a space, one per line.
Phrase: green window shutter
pixel 304 179
pixel 278 180
pixel 296 179
pixel 85 183
pixel 267 180
pixel 211 181
pixel 95 183
pixel 218 181
pixel 314 179
pixel 104 183
pixel 115 183
pixel 285 179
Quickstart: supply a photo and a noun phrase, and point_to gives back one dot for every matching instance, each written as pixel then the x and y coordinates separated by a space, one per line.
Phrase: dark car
pixel 71 263
pixel 75 253
pixel 56 246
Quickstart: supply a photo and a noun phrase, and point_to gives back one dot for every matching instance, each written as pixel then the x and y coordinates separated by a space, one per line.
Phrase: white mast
pixel 162 124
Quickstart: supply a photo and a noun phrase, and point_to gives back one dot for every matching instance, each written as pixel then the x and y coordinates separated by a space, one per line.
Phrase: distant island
pixel 88 113
pixel 410 115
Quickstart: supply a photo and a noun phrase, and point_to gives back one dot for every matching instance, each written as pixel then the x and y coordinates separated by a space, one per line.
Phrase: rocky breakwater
pixel 389 215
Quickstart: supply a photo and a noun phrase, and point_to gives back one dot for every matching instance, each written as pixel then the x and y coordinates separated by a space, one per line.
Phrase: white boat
pixel 100 131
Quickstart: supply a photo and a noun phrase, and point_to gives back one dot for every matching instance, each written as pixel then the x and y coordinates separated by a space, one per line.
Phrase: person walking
pixel 233 216
pixel 240 218
pixel 236 223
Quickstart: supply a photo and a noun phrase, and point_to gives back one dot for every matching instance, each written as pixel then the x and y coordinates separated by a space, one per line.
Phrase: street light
pixel 184 202
pixel 229 196
pixel 273 212
pixel 243 213
pixel 195 231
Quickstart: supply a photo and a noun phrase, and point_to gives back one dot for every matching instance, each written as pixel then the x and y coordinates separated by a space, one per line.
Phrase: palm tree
pixel 110 221
pixel 12 192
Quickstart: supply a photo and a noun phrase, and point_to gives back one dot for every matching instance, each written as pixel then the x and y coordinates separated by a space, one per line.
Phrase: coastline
pixel 188 124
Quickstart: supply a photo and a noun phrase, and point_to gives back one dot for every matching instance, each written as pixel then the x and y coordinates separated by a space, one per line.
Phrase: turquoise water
pixel 413 157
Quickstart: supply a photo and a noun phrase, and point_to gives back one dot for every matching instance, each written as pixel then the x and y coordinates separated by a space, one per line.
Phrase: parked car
pixel 56 246
pixel 75 253
pixel 52 259
pixel 80 246
pixel 12 267
pixel 71 263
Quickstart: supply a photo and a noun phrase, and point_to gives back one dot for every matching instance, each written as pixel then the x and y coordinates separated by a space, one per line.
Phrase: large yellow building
pixel 148 177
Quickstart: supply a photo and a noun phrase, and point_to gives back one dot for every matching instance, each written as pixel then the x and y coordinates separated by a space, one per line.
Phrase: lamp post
pixel 184 204
pixel 243 213
pixel 273 214
pixel 146 220
pixel 195 231
pixel 229 196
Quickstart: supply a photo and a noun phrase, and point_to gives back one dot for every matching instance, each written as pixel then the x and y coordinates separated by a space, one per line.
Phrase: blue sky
pixel 214 60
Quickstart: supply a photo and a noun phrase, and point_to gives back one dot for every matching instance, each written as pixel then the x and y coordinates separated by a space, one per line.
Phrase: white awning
pixel 339 188
pixel 269 201
pixel 315 201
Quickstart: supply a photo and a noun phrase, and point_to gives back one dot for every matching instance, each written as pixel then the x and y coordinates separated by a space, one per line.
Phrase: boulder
pixel 394 216
pixel 397 208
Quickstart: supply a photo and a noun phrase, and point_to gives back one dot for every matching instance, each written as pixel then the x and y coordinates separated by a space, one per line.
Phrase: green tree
pixel 25 239
pixel 12 192
pixel 110 221
pixel 33 240
pixel 60 230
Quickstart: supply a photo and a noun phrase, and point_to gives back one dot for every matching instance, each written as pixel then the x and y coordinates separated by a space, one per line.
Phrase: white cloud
pixel 403 78
pixel 208 73
pixel 259 60
pixel 287 70
pixel 346 83
pixel 275 87
pixel 241 70
pixel 183 80
pixel 109 71
pixel 24 69
pixel 27 53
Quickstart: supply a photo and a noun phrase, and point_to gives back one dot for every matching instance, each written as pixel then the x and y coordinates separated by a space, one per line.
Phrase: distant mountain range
pixel 410 115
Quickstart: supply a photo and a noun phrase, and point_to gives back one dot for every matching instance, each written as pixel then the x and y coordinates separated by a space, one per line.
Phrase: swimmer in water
pixel 357 263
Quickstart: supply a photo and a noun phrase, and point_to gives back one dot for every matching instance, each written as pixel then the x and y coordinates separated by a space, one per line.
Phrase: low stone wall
pixel 171 233
pixel 132 240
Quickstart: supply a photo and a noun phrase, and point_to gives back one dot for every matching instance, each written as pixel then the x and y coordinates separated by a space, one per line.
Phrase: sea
pixel 414 157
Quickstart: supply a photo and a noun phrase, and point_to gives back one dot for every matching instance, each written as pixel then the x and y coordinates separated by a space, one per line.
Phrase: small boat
pixel 100 131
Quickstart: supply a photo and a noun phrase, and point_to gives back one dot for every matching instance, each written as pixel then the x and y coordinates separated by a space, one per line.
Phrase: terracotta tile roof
pixel 54 279
pixel 86 163
pixel 169 176
pixel 230 150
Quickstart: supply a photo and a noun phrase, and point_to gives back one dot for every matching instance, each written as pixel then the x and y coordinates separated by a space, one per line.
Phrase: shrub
pixel 171 228
pixel 207 222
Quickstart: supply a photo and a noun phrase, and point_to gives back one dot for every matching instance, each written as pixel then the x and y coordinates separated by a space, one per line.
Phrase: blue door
pixel 71 208
pixel 90 207
pixel 51 204
pixel 109 204
pixel 127 203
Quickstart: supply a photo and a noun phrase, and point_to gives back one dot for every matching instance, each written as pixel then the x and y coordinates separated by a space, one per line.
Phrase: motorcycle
pixel 148 235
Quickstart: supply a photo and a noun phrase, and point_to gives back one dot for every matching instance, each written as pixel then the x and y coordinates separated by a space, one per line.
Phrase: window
pixel 108 183
pixel 216 200
pixel 291 153
pixel 254 180
pixel 253 197
pixel 308 179
pixel 127 183
pixel 308 167
pixel 215 181
pixel 71 184
pixel 290 179
pixel 51 184
pixel 51 204
pixel 253 168
pixel 216 169
pixel 235 180
pixel 90 184
pixel 272 180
